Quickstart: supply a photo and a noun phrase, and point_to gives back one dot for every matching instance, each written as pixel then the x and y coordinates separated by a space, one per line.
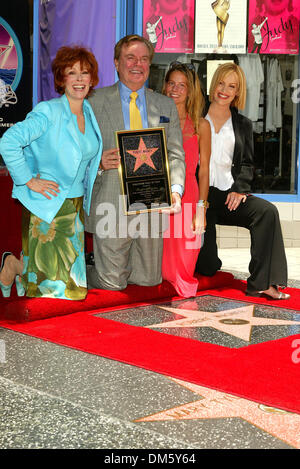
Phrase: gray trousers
pixel 120 261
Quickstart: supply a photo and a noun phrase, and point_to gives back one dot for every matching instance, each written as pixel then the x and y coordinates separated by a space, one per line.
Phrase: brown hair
pixel 222 71
pixel 195 100
pixel 126 40
pixel 67 56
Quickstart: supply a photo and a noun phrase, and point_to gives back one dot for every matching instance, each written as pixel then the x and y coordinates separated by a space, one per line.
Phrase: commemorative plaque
pixel 144 170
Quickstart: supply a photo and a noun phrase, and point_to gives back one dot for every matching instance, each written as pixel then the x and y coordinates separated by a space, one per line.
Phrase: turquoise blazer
pixel 47 143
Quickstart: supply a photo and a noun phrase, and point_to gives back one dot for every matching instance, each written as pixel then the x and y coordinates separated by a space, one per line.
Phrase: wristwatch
pixel 203 203
pixel 100 171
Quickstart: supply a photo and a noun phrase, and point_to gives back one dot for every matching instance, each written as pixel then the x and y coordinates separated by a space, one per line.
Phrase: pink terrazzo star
pixel 237 322
pixel 214 404
pixel 143 155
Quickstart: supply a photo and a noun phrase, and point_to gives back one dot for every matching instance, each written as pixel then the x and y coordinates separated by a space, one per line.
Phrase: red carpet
pixel 31 309
pixel 237 289
pixel 265 372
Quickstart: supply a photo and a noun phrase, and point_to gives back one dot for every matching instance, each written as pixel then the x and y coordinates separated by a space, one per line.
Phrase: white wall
pixel 235 237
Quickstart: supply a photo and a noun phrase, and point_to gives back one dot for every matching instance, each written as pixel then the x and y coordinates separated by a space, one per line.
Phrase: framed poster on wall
pixel 221 26
pixel 169 25
pixel 273 26
pixel 15 66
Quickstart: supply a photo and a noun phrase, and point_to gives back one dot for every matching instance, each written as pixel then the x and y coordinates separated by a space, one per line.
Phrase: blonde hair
pixel 195 102
pixel 222 71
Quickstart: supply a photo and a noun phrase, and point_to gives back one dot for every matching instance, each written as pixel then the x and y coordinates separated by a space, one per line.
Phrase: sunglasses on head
pixel 183 65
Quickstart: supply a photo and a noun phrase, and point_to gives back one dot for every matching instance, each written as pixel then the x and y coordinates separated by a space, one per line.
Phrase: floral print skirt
pixel 54 260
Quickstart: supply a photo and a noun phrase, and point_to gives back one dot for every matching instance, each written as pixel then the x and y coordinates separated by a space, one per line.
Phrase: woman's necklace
pixel 182 119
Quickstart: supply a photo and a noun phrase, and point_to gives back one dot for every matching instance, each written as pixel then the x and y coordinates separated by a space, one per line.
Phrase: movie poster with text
pixel 15 67
pixel 169 25
pixel 273 26
pixel 221 26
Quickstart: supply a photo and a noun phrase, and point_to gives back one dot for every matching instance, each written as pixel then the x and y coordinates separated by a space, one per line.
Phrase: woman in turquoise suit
pixel 53 157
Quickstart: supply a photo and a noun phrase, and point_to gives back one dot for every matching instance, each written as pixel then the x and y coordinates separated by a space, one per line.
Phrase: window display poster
pixel 169 25
pixel 221 26
pixel 15 68
pixel 273 26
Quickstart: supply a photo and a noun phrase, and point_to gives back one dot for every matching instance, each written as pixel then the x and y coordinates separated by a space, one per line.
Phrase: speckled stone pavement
pixel 57 397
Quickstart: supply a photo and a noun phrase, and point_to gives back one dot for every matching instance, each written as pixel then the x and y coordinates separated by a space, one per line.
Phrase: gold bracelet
pixel 203 203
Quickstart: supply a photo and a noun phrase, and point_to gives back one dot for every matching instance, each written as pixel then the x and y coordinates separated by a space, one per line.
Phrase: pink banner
pixel 169 25
pixel 273 26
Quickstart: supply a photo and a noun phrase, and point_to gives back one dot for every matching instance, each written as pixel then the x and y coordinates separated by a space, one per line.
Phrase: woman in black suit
pixel 231 174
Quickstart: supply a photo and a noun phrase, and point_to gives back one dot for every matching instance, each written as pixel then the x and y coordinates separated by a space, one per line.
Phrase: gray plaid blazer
pixel 162 112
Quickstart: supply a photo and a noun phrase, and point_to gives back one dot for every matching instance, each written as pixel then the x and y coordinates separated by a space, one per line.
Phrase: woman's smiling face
pixel 170 6
pixel 177 87
pixel 77 81
pixel 227 89
pixel 275 7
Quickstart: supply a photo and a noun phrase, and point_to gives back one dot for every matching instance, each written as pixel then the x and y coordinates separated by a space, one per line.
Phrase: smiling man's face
pixel 133 65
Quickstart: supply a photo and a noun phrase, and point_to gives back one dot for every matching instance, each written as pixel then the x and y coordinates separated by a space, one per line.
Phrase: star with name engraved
pixel 142 155
pixel 215 404
pixel 237 322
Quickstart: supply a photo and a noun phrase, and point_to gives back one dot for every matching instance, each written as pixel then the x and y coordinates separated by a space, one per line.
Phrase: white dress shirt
pixel 222 148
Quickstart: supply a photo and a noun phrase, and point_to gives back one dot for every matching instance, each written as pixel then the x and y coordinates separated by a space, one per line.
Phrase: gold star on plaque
pixel 143 155
pixel 237 322
pixel 214 404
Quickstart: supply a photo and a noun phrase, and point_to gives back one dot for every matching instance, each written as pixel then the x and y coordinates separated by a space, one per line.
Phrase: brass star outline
pixel 215 404
pixel 142 155
pixel 237 322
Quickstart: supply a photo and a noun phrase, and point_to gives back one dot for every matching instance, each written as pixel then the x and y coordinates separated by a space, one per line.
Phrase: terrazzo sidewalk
pixel 53 397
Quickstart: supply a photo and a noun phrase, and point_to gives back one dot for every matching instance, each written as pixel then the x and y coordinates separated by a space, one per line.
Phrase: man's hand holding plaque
pixel 110 159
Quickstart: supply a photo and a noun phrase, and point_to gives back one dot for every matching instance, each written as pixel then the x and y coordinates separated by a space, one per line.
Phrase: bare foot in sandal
pixel 272 292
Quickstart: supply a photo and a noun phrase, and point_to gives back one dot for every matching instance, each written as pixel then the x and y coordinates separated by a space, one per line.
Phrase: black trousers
pixel 268 264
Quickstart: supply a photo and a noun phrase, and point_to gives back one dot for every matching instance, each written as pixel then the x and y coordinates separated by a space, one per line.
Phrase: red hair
pixel 67 56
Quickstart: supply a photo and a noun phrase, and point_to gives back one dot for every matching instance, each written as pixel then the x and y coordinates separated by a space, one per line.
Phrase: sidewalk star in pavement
pixel 216 405
pixel 237 322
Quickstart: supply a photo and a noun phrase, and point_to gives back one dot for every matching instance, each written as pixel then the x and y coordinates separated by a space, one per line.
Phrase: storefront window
pixel 275 132
pixel 273 111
